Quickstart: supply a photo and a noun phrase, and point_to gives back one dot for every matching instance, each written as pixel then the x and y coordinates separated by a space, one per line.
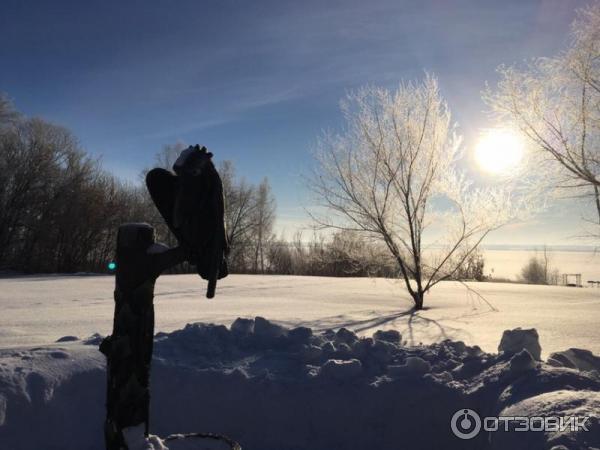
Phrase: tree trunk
pixel 597 200
pixel 418 297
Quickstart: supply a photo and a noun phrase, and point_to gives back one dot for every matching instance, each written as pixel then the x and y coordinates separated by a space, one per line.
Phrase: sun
pixel 498 151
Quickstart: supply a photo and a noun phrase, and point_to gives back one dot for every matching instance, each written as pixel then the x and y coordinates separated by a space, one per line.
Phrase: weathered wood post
pixel 129 349
pixel 191 202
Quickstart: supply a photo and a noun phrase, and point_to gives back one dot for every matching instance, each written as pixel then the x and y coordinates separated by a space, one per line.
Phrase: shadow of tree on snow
pixel 413 324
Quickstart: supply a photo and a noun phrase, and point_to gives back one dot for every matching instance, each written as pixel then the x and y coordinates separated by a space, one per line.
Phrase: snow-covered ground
pixel 272 388
pixel 38 310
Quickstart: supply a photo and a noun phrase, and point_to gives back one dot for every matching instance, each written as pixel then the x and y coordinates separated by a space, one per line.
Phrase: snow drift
pixel 269 387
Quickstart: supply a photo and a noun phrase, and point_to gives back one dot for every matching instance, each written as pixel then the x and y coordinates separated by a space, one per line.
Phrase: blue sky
pixel 257 82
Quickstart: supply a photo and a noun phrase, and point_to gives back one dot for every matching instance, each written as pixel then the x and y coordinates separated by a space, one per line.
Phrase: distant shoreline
pixel 540 247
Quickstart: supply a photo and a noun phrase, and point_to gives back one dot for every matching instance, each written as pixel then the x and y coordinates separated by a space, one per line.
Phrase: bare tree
pixel 58 208
pixel 391 174
pixel 8 115
pixel 555 102
pixel 263 221
pixel 280 257
pixel 168 154
pixel 240 205
pixel 165 158
pixel 539 269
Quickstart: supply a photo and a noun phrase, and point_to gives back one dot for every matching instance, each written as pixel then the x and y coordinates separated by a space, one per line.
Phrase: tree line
pixel 60 209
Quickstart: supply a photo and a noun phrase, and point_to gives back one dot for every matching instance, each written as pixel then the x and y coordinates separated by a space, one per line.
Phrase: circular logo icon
pixel 465 424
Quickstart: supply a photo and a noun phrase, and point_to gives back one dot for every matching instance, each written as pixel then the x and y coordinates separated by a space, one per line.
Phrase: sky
pixel 258 82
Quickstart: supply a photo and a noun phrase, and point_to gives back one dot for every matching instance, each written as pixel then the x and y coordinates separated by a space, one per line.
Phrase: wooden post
pixel 129 349
pixel 192 205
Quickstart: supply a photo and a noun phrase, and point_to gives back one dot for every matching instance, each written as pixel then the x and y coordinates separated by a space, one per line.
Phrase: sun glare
pixel 498 151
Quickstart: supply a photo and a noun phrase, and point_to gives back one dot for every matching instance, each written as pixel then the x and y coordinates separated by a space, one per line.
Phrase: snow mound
pixel 413 365
pixel 522 362
pixel 270 387
pixel 555 404
pixel 67 339
pixel 338 369
pixel 513 341
pixel 575 358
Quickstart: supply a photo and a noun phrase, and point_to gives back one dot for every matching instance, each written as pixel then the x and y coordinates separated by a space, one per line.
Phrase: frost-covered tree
pixel 392 174
pixel 555 102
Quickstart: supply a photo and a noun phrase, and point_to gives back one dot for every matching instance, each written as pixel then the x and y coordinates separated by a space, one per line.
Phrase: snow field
pixel 39 310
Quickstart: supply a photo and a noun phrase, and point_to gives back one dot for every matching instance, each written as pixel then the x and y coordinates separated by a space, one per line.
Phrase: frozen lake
pixel 508 263
pixel 39 309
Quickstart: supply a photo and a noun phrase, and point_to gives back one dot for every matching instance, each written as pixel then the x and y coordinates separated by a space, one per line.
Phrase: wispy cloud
pixel 171 132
